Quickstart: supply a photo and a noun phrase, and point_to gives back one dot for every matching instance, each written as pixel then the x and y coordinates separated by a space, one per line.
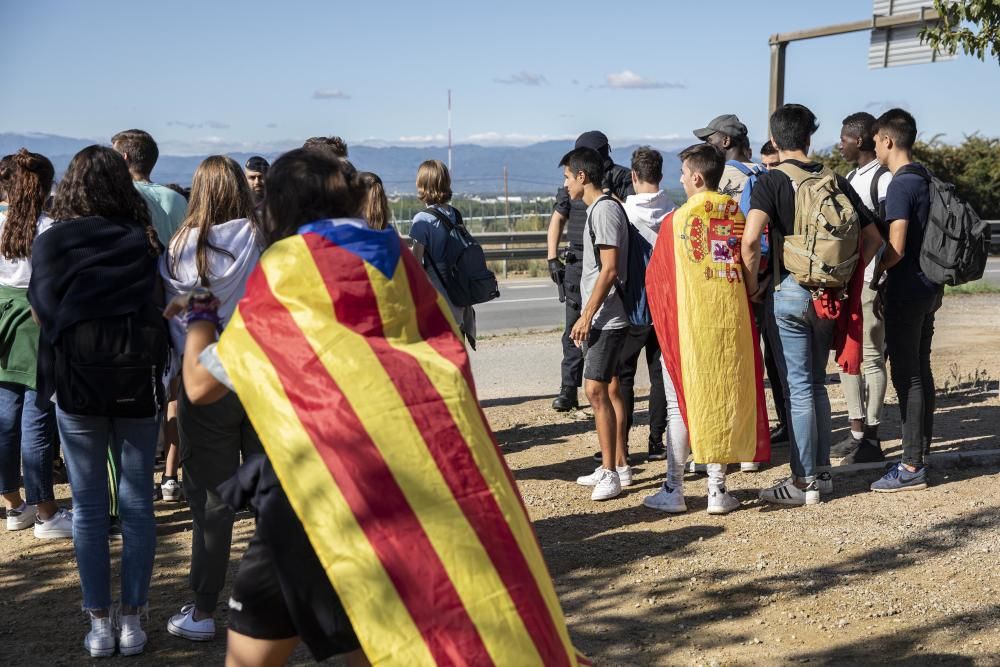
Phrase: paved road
pixel 527 305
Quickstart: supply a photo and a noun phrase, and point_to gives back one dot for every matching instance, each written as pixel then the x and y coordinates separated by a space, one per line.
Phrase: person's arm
pixel 757 220
pixel 556 224
pixel 895 249
pixel 201 387
pixel 871 242
pixel 418 251
pixel 605 281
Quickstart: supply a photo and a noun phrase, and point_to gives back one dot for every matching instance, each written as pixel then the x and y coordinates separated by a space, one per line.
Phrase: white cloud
pixel 629 80
pixel 210 124
pixel 524 78
pixel 422 138
pixel 512 138
pixel 330 94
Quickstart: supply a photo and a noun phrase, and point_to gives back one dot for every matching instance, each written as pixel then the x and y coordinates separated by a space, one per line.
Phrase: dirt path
pixel 909 579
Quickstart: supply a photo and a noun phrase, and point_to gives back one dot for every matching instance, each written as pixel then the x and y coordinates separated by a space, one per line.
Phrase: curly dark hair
pixel 97 183
pixel 335 145
pixel 27 179
pixel 307 185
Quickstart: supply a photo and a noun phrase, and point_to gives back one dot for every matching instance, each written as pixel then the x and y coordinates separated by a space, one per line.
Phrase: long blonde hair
pixel 219 193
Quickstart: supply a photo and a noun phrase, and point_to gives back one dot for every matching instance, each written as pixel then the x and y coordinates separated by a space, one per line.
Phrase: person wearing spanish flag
pixel 389 527
pixel 703 319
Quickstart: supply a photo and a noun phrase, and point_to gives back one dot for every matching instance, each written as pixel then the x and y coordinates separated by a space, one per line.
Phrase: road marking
pixel 502 301
pixel 535 286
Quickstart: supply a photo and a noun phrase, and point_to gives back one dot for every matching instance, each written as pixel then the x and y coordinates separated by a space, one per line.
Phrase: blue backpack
pixel 752 174
pixel 633 291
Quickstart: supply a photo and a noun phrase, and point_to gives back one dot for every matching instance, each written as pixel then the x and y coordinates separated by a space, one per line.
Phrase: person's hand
pixel 557 271
pixel 176 306
pixel 580 331
pixel 758 290
pixel 199 305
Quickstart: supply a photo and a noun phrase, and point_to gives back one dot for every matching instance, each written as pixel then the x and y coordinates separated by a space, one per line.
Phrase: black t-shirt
pixel 773 194
pixel 908 198
pixel 617 181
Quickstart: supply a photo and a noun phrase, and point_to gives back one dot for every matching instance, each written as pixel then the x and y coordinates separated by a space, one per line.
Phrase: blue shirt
pixel 431 233
pixel 908 198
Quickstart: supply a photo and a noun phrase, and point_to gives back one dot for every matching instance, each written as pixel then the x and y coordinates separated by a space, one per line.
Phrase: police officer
pixel 617 182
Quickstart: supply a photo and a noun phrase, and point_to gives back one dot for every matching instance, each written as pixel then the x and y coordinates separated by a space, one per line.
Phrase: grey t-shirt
pixel 607 219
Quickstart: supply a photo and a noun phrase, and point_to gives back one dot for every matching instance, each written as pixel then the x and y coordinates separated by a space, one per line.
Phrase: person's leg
pixel 873 364
pixel 853 387
pixel 678 443
pixel 211 438
pixel 904 329
pixel 37 431
pixel 622 422
pixel 774 377
pixel 791 311
pixel 85 449
pixel 657 396
pixel 819 353
pixel 11 407
pixel 572 362
pixel 244 651
pixel 628 363
pixel 135 439
pixel 598 393
pixel 171 453
pixel 927 377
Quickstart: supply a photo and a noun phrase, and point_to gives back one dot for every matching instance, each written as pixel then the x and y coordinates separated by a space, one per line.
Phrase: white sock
pixel 858 435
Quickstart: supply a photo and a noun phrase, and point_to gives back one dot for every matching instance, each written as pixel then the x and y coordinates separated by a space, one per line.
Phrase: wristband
pixel 203 306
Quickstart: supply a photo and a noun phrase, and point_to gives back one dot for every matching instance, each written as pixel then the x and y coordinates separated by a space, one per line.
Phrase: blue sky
pixel 218 75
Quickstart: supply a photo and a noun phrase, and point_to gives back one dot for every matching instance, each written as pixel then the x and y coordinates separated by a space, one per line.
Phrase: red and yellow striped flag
pixel 350 368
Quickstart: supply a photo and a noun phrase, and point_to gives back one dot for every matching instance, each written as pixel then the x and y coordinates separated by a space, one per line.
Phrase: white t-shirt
pixel 861 180
pixel 17 272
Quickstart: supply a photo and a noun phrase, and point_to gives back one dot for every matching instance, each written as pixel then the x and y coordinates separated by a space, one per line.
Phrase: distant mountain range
pixel 476 169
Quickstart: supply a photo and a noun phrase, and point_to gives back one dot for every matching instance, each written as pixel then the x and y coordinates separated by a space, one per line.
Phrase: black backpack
pixel 956 242
pixel 466 278
pixel 113 366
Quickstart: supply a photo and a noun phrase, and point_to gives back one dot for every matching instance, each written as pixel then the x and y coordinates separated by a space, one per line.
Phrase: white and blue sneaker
pixel 667 499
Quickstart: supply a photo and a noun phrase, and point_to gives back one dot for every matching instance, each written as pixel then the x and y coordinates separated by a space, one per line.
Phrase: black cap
pixel 257 163
pixel 727 124
pixel 594 139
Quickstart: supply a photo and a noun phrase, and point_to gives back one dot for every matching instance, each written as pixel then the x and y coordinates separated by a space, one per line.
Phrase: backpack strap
pixel 873 188
pixel 450 226
pixel 746 170
pixel 619 287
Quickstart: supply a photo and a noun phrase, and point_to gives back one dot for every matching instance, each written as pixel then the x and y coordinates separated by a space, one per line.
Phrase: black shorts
pixel 601 352
pixel 268 604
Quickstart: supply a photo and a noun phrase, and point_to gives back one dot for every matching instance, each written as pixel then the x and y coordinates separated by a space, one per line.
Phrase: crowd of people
pixel 805 286
pixel 115 288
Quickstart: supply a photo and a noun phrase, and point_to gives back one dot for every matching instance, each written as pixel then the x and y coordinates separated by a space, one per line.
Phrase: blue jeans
pixel 802 348
pixel 27 436
pixel 85 442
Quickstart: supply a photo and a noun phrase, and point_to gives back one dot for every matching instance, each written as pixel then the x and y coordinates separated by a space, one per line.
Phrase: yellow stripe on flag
pixel 362 584
pixel 368 388
pixel 394 297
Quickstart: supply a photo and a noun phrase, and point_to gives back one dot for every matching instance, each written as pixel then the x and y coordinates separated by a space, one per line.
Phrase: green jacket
pixel 18 338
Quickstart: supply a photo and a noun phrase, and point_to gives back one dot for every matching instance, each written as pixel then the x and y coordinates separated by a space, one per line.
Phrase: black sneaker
pixel 115 531
pixel 867 451
pixel 59 475
pixel 845 447
pixel 657 452
pixel 566 400
pixel 779 435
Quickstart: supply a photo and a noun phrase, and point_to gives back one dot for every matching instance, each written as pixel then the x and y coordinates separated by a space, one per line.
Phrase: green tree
pixel 973 166
pixel 954 30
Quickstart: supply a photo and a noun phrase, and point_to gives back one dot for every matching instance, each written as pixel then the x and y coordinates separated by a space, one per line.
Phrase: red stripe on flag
pixel 365 481
pixel 763 450
pixel 437 332
pixel 444 440
pixel 661 289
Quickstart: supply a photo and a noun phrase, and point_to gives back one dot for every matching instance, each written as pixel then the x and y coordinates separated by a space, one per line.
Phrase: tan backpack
pixel 823 251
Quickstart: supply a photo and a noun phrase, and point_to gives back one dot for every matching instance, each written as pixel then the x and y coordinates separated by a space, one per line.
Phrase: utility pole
pixel 449 131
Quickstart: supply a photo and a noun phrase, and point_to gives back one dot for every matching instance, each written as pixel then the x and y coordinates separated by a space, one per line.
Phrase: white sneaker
pixel 21 517
pixel 608 486
pixel 667 500
pixel 59 525
pixel 696 468
pixel 786 493
pixel 100 641
pixel 171 490
pixel 131 636
pixel 624 475
pixel 750 466
pixel 592 479
pixel 721 501
pixel 824 482
pixel 184 625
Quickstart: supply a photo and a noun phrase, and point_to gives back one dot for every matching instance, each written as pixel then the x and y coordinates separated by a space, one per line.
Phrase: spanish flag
pixel 704 322
pixel 350 367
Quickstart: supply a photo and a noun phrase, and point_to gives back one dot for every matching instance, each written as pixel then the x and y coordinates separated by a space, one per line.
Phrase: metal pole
pixel 449 131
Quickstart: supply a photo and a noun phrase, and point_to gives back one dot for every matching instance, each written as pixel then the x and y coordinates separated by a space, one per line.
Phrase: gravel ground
pixel 905 579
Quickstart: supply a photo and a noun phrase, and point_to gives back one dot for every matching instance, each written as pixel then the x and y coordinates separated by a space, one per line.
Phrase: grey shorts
pixel 601 352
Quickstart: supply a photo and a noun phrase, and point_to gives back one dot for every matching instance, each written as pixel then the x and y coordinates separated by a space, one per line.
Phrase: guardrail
pixel 532 245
